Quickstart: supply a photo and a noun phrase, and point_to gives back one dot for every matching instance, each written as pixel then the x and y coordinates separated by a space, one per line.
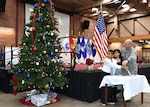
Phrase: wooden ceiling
pixel 84 7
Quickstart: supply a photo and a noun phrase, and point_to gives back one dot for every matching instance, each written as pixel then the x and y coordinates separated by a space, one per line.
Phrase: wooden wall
pixel 135 27
pixel 77 26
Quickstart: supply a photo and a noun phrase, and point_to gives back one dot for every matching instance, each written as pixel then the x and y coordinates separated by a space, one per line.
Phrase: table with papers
pixel 132 85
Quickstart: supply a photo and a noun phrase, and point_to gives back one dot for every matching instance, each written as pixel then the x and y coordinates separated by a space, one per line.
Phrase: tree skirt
pixel 29 103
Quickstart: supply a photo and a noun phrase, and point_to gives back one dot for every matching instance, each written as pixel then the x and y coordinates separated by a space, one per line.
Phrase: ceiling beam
pixel 134 38
pixel 63 6
pixel 96 4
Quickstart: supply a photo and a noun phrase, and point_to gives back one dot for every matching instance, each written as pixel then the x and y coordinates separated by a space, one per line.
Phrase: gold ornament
pixel 47 86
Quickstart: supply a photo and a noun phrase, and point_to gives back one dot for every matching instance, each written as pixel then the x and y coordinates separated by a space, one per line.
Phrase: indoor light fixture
pixel 117 1
pixel 125 5
pixel 144 1
pixel 105 12
pixel 6 28
pixel 132 9
pixel 94 9
pixel 141 40
pixel 106 1
pixel 146 41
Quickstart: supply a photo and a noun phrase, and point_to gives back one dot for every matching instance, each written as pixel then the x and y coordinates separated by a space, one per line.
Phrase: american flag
pixel 100 37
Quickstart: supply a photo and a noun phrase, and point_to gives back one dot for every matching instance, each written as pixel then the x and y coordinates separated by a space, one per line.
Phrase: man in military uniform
pixel 129 56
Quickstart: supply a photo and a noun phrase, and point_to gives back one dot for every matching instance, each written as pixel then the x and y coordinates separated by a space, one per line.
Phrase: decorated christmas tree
pixel 39 65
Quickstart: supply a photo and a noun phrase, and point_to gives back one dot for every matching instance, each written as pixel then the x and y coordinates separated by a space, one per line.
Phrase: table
pixel 84 86
pixel 145 71
pixel 132 85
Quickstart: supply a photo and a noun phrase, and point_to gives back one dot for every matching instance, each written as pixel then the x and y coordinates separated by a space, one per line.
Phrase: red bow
pixel 15 83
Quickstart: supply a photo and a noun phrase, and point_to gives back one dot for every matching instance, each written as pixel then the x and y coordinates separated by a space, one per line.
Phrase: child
pixel 109 68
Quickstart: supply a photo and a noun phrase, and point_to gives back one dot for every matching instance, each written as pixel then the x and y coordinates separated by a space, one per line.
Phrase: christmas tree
pixel 39 65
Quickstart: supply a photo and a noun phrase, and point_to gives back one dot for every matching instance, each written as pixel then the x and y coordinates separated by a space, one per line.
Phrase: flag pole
pixel 77 40
pixel 101 7
pixel 72 33
pixel 83 33
pixel 101 10
pixel 79 34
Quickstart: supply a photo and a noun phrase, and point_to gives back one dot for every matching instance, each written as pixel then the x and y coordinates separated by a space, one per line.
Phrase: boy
pixel 109 68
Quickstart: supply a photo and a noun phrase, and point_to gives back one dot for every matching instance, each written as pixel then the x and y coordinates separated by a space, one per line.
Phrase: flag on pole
pixel 78 49
pixel 72 46
pixel 88 47
pixel 83 49
pixel 100 37
pixel 93 50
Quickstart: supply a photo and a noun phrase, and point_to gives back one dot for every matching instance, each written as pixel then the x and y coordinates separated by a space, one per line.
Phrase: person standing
pixel 129 57
pixel 117 56
pixel 117 89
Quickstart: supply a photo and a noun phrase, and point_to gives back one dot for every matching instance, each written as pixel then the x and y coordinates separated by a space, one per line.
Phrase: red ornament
pixel 63 65
pixel 34 15
pixel 53 22
pixel 33 29
pixel 43 5
pixel 15 83
pixel 42 76
pixel 15 92
pixel 34 49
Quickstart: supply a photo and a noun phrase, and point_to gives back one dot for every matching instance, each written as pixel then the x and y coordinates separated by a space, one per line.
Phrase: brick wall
pixel 8 20
pixel 14 17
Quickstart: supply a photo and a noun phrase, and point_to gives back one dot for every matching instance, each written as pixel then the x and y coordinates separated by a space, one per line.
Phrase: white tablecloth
pixel 133 84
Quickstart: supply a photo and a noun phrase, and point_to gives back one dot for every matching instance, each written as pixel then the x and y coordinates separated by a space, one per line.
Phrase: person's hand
pixel 125 62
pixel 124 67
